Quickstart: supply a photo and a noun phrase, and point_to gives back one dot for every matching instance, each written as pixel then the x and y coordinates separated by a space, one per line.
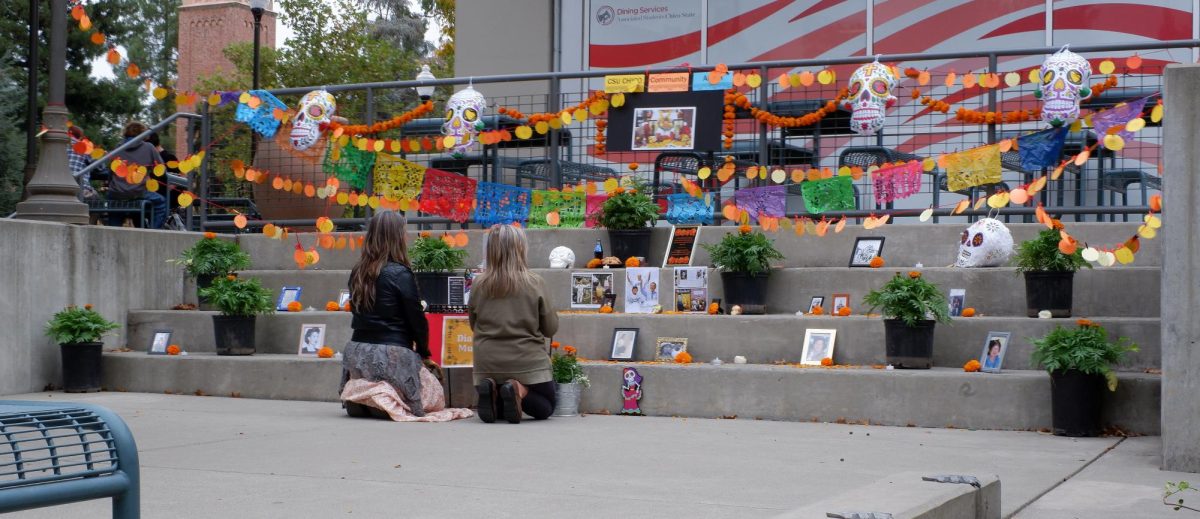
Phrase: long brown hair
pixel 384 243
pixel 507 271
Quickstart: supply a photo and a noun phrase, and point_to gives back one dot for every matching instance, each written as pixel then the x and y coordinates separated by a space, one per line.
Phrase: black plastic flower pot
pixel 1076 400
pixel 1049 291
pixel 433 287
pixel 909 347
pixel 629 243
pixel 81 369
pixel 748 291
pixel 234 334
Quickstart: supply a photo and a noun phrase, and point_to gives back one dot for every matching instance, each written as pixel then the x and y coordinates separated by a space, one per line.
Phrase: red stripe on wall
pixel 947 24
pixel 724 30
pixel 816 8
pixel 1150 21
pixel 640 54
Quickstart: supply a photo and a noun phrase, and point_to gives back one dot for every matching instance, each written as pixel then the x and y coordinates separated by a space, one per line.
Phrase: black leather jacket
pixel 396 317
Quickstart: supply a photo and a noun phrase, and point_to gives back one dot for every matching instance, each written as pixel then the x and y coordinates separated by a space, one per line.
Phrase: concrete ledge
pixel 1014 400
pixel 907 496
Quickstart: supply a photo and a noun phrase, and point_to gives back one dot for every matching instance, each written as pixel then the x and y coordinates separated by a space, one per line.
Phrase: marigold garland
pixel 968 115
pixel 382 126
pixel 735 99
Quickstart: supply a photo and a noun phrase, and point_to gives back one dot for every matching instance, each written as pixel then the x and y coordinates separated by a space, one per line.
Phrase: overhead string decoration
pixel 464 119
pixel 316 108
pixel 1064 82
pixel 870 96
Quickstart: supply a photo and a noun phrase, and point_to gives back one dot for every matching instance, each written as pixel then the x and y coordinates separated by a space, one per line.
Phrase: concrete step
pixel 909 495
pixel 761 339
pixel 992 291
pixel 905 245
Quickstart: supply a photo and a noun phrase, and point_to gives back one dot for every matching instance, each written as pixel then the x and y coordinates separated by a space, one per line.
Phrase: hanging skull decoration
pixel 870 94
pixel 464 118
pixel 562 258
pixel 316 108
pixel 986 243
pixel 1065 77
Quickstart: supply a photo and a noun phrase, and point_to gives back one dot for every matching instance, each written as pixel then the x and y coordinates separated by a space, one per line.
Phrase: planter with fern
pixel 628 214
pixel 78 332
pixel 1049 273
pixel 209 259
pixel 911 308
pixel 744 259
pixel 1080 362
pixel 240 302
pixel 433 262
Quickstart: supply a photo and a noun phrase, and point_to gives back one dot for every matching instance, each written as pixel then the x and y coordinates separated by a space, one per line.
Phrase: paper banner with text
pixel 257 108
pixel 685 209
pixel 1117 116
pixel 828 194
pixel 397 179
pixel 1041 149
pixel 973 167
pixel 501 204
pixel 549 209
pixel 448 195
pixel 896 182
pixel 348 164
pixel 593 206
pixel 766 201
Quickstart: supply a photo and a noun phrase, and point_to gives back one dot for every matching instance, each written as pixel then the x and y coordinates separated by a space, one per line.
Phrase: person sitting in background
pixel 141 154
pixel 78 161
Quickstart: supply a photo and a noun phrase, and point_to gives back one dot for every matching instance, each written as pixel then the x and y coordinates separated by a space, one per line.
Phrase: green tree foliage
pixel 12 144
pixel 155 48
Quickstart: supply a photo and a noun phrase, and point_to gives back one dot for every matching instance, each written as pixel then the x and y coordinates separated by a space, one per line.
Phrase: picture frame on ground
pixel 624 342
pixel 815 302
pixel 312 338
pixel 286 296
pixel 666 348
pixel 343 297
pixel 839 301
pixel 588 289
pixel 159 343
pixel 642 290
pixel 691 289
pixel 818 344
pixel 866 249
pixel 994 348
pixel 957 301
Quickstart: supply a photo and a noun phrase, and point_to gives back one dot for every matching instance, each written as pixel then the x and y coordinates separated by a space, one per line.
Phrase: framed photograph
pixel 287 295
pixel 839 301
pixel 691 289
pixel 158 345
pixel 818 344
pixel 866 249
pixel 817 301
pixel 641 290
pixel 312 338
pixel 666 128
pixel 623 342
pixel 957 301
pixel 994 349
pixel 343 297
pixel 588 289
pixel 665 348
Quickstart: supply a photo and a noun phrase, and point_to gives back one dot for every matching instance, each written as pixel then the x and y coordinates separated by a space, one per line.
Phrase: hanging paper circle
pixel 239 221
pixel 185 199
pixel 1064 80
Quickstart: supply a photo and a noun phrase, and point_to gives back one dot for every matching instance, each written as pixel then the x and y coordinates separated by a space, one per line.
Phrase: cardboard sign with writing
pixel 457 342
pixel 674 82
pixel 624 83
pixel 682 246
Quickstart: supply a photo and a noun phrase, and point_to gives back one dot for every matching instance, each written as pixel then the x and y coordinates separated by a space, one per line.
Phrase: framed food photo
pixel 866 249
pixel 818 345
pixel 994 348
pixel 624 341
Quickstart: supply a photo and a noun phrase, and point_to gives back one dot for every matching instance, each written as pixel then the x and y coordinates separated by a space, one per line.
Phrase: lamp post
pixel 52 190
pixel 256 8
pixel 425 91
pixel 31 91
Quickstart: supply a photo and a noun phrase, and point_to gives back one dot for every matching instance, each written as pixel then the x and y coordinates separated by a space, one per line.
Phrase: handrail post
pixel 552 105
pixel 370 118
pixel 205 138
pixel 763 94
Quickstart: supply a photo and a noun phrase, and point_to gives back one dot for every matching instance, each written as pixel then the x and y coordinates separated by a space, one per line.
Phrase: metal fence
pixel 1109 184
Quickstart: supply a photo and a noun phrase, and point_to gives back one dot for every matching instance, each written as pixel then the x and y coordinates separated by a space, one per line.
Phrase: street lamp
pixel 425 91
pixel 256 8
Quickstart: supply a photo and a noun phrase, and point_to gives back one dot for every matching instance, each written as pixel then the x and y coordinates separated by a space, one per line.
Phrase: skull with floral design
pixel 316 108
pixel 1065 78
pixel 464 118
pixel 870 94
pixel 986 243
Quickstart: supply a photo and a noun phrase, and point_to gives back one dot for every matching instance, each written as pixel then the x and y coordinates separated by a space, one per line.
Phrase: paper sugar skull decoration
pixel 870 94
pixel 986 243
pixel 316 107
pixel 631 391
pixel 464 118
pixel 562 258
pixel 1065 77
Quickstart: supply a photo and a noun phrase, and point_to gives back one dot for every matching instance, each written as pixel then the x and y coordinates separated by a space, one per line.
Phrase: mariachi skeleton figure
pixel 562 258
pixel 870 94
pixel 316 108
pixel 1065 78
pixel 464 118
pixel 986 243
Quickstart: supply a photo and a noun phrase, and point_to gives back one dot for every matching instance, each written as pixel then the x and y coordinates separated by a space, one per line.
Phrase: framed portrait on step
pixel 312 338
pixel 286 296
pixel 994 348
pixel 818 344
pixel 623 343
pixel 866 249
pixel 158 345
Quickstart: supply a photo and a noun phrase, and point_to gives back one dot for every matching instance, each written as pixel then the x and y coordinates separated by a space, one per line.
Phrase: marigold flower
pixel 210 235
pixel 827 361
pixel 683 357
pixel 713 309
pixel 744 229
pixel 968 311
pixel 632 262
pixel 424 234
pixel 1086 323
pixel 173 349
pixel 294 306
pixel 87 307
pixel 633 166
pixel 843 311
pixel 555 344
pixel 570 350
pixel 231 277
pixel 1056 224
pixel 332 306
pixel 972 366
pixel 617 191
pixel 606 309
pixel 325 352
pixel 817 310
pixel 595 263
pixel 912 274
pixel 346 306
pixel 876 262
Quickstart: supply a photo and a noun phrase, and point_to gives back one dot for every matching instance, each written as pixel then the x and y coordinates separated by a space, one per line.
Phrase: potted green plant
pixel 744 259
pixel 239 301
pixel 628 214
pixel 1049 274
pixel 912 307
pixel 1080 363
pixel 210 258
pixel 78 332
pixel 569 377
pixel 433 261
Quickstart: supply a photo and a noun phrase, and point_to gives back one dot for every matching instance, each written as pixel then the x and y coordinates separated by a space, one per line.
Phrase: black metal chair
pixel 138 210
pixel 539 171
pixel 1118 182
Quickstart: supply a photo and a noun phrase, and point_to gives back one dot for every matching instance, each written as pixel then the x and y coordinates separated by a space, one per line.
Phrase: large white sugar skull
pixel 986 243
pixel 562 258
pixel 316 107
pixel 870 94
pixel 1065 77
pixel 464 118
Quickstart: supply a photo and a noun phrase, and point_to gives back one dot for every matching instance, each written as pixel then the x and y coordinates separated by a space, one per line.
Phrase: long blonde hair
pixel 507 271
pixel 384 243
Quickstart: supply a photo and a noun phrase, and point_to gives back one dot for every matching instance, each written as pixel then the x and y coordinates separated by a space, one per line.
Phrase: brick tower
pixel 206 27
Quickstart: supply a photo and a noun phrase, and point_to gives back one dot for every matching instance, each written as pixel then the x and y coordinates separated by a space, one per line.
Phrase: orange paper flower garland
pixel 735 99
pixel 338 129
pixel 968 115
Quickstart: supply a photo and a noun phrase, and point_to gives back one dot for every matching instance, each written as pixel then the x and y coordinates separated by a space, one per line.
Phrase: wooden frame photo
pixel 866 249
pixel 818 344
pixel 665 348
pixel 159 342
pixel 624 343
pixel 839 301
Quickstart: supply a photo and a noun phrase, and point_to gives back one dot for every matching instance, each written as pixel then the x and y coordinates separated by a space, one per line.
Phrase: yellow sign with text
pixel 674 82
pixel 457 342
pixel 624 83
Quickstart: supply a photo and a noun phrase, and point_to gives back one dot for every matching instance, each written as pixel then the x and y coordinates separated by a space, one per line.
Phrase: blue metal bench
pixel 55 454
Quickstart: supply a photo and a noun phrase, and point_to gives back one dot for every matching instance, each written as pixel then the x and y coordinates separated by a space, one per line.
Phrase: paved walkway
pixel 224 457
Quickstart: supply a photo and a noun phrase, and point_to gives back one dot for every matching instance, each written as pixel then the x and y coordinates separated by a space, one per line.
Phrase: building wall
pixel 505 37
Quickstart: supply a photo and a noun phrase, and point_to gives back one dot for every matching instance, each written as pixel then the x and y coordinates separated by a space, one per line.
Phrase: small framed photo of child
pixel 815 302
pixel 818 345
pixel 994 348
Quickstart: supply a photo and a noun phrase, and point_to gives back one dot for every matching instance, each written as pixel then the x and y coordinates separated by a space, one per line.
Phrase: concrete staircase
pixel 1125 299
